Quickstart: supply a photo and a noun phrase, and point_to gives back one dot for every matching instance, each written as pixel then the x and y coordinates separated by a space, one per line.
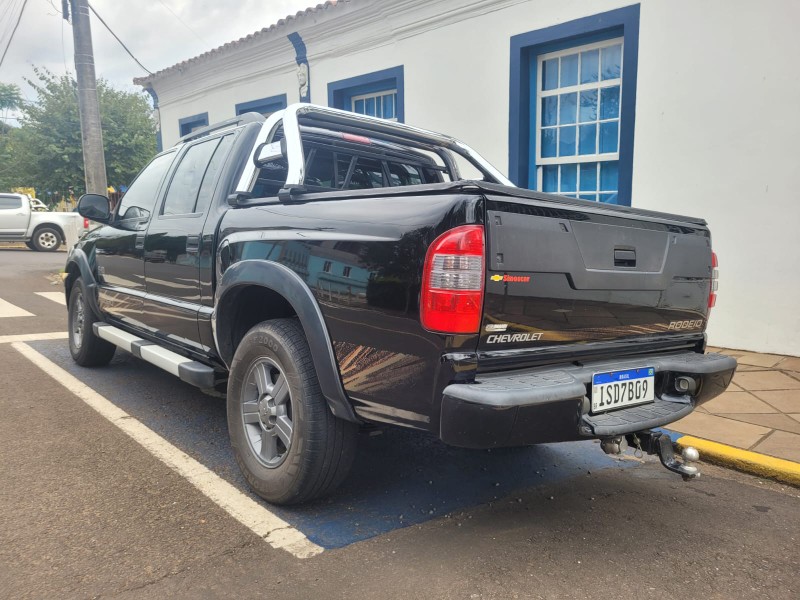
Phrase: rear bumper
pixel 551 404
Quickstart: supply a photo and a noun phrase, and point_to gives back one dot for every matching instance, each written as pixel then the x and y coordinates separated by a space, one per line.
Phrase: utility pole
pixel 94 162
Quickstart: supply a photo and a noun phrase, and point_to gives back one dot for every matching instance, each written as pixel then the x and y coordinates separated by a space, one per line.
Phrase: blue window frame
pixel 188 124
pixel 573 107
pixel 265 106
pixel 379 94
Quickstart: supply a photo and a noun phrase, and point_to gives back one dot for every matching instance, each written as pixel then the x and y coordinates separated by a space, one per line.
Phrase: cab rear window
pixel 332 168
pixel 342 170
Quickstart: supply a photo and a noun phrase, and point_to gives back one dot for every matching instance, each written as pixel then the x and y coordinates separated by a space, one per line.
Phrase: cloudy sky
pixel 160 33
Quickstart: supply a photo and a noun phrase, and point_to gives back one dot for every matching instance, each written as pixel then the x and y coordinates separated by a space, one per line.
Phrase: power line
pixel 174 14
pixel 16 25
pixel 117 38
pixel 7 18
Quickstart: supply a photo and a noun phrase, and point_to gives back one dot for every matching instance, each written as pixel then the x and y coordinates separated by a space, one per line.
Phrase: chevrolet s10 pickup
pixel 22 220
pixel 328 270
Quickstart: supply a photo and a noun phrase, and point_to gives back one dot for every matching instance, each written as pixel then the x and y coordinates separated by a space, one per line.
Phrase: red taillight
pixel 452 282
pixel 85 223
pixel 712 294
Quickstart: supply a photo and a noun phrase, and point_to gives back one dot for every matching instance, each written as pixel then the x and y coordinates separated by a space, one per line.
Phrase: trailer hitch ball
pixel 656 442
pixel 690 454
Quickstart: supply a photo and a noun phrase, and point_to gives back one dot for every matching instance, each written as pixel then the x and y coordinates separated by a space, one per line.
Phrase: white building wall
pixel 716 132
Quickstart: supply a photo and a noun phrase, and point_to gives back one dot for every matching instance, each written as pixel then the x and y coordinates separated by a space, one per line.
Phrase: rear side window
pixel 10 202
pixel 188 178
pixel 210 179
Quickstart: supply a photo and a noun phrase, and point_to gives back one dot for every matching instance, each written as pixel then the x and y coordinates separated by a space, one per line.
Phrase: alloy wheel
pixel 266 406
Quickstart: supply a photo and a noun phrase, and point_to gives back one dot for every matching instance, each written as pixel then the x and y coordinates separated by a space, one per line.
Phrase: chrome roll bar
pixel 321 116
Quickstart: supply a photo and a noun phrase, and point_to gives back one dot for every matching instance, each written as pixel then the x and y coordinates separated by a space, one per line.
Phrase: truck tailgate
pixel 562 274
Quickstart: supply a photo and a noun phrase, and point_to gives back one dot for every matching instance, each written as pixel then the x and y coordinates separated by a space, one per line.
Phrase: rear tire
pixel 30 246
pixel 288 444
pixel 86 348
pixel 46 239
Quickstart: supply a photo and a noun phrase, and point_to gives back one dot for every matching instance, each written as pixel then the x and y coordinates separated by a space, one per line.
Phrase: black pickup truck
pixel 328 270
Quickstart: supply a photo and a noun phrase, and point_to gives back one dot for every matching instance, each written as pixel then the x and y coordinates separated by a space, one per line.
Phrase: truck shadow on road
pixel 400 477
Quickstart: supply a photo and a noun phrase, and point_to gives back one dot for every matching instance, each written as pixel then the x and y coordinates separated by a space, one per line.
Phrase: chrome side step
pixel 190 371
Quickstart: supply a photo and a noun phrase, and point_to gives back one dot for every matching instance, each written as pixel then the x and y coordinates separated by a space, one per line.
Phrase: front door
pixel 173 241
pixel 13 216
pixel 119 248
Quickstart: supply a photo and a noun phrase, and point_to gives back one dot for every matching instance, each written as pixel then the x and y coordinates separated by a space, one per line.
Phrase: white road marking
pixel 57 297
pixel 33 337
pixel 9 310
pixel 253 515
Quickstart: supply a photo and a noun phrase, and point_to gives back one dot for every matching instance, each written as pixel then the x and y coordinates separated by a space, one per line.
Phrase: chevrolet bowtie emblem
pixel 496 278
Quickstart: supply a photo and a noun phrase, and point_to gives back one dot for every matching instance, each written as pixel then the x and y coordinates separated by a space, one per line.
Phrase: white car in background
pixel 22 221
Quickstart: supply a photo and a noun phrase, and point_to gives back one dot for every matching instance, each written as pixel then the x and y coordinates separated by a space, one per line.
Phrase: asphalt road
pixel 86 511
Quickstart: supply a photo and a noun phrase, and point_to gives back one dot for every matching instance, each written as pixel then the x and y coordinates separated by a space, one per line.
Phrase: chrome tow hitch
pixel 654 442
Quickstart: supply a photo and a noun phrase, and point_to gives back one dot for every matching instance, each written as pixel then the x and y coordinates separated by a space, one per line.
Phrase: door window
pixel 193 182
pixel 138 201
pixel 10 202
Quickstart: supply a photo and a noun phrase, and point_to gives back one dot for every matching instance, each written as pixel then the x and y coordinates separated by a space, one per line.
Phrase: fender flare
pixel 287 283
pixel 78 258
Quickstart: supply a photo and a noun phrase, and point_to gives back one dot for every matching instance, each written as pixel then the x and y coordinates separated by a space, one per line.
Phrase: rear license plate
pixel 619 389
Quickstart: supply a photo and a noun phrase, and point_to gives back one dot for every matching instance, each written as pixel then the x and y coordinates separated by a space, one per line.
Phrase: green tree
pixel 10 98
pixel 45 150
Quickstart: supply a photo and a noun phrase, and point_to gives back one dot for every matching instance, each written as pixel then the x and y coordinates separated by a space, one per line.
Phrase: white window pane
pixel 388 106
pixel 611 62
pixel 569 70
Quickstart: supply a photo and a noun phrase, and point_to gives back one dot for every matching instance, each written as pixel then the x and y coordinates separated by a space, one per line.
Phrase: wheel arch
pixel 78 266
pixel 53 226
pixel 252 291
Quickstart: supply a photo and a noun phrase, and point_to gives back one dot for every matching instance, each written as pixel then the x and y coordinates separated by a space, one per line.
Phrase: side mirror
pixel 266 153
pixel 95 207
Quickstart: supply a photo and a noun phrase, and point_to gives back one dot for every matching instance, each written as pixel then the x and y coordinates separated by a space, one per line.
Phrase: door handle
pixel 139 241
pixel 192 244
pixel 624 258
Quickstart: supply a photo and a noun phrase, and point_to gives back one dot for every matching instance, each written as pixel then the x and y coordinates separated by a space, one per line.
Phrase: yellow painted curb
pixel 744 460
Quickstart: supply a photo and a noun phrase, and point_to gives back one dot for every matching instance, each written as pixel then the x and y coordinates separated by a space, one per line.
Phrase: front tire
pixel 288 444
pixel 30 246
pixel 86 348
pixel 46 239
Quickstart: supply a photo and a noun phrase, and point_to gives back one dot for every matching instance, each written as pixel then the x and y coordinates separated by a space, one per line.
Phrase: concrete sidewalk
pixel 760 412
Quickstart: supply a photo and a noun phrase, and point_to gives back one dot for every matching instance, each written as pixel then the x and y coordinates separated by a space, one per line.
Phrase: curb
pixel 742 460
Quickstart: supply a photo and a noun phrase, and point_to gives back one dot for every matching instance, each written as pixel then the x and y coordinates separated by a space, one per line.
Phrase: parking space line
pixel 9 310
pixel 33 337
pixel 253 515
pixel 57 297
